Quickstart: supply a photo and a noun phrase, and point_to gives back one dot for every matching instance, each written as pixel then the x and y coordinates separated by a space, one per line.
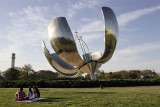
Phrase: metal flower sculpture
pixel 66 59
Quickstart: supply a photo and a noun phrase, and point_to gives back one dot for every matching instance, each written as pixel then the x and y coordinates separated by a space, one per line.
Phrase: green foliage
pixel 46 74
pixel 78 83
pixel 132 74
pixel 149 74
pixel 11 74
pixel 26 72
pixel 27 77
pixel 1 77
pixel 23 75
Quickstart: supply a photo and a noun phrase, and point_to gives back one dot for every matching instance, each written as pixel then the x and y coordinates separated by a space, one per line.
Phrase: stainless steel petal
pixel 111 34
pixel 58 64
pixel 62 41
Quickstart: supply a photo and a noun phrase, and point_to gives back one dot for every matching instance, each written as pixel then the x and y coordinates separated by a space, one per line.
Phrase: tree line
pixel 131 74
pixel 28 73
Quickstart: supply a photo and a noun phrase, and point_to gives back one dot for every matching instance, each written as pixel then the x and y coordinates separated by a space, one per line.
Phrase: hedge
pixel 78 83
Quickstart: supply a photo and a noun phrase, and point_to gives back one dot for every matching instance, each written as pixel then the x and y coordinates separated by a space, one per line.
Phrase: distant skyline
pixel 24 24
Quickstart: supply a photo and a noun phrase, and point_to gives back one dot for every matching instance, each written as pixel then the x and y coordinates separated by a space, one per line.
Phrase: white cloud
pixel 24 35
pixel 125 18
pixel 34 13
pixel 135 57
pixel 94 26
pixel 134 51
pixel 12 14
pixel 81 5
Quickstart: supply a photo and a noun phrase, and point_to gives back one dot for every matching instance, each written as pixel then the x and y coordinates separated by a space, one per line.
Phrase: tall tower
pixel 13 60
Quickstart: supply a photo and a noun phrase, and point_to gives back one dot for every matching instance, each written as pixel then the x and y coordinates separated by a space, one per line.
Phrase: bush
pixel 78 83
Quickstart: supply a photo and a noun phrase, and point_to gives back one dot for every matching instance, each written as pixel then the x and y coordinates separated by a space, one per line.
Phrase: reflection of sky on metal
pixel 24 24
pixel 110 21
pixel 62 41
pixel 59 65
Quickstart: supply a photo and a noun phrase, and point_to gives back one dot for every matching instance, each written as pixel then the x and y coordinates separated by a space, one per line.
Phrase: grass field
pixel 92 97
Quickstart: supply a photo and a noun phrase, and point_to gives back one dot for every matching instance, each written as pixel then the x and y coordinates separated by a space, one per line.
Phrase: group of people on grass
pixel 20 95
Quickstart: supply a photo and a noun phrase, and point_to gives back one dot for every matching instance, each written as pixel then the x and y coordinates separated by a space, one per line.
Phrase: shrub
pixel 78 83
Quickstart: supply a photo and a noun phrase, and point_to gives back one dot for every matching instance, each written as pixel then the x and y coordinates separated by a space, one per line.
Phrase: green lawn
pixel 107 97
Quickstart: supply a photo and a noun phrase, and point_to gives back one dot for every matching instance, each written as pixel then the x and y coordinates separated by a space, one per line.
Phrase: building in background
pixel 13 60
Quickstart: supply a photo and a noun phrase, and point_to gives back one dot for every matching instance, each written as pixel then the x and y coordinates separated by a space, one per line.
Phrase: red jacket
pixel 20 95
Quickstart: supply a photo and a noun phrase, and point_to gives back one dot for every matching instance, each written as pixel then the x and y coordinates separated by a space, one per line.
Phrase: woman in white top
pixel 31 94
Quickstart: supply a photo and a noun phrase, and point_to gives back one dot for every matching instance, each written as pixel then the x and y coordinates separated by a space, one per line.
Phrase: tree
pixel 100 74
pixel 124 74
pixel 148 74
pixel 99 71
pixel 135 74
pixel 23 75
pixel 26 71
pixel 46 74
pixel 11 74
pixel 116 75
pixel 1 77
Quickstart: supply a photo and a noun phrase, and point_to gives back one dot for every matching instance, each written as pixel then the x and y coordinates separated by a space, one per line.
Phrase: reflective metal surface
pixel 62 41
pixel 66 59
pixel 111 34
pixel 59 65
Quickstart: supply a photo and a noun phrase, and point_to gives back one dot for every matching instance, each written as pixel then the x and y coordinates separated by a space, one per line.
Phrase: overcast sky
pixel 24 23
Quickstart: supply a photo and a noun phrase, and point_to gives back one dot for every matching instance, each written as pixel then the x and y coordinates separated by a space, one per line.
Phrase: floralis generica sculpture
pixel 66 59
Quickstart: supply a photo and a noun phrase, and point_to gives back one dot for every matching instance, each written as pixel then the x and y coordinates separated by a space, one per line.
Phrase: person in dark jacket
pixel 36 92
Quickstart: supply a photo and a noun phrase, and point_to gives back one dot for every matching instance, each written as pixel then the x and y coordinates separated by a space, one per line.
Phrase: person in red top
pixel 20 95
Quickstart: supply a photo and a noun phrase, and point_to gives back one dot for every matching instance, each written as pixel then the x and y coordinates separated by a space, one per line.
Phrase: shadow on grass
pixel 96 92
pixel 52 99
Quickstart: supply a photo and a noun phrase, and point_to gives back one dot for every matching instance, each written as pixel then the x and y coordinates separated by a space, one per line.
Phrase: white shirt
pixel 31 95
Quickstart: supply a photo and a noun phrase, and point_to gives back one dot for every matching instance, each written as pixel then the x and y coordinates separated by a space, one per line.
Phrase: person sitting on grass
pixel 30 94
pixel 36 92
pixel 20 95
